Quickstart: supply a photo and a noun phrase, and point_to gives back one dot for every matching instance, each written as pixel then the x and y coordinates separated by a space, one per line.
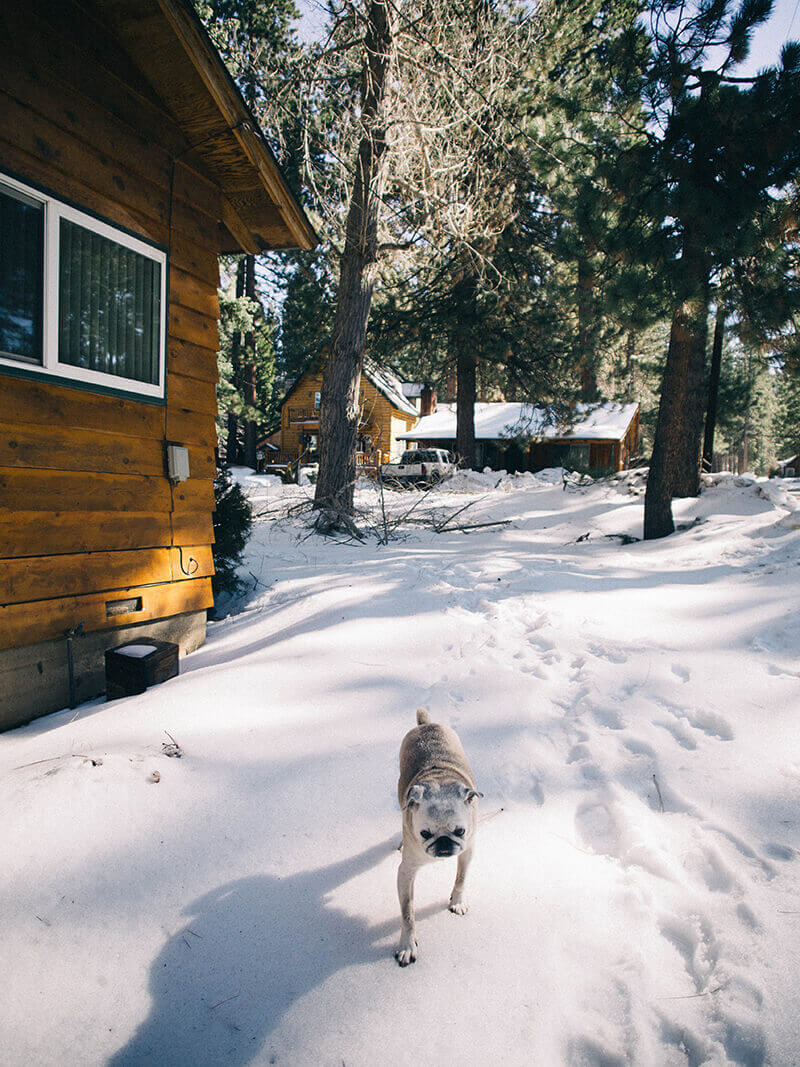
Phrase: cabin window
pixel 573 457
pixel 21 276
pixel 80 300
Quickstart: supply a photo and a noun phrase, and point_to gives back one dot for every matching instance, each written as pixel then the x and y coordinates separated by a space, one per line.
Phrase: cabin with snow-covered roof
pixel 385 414
pixel 598 438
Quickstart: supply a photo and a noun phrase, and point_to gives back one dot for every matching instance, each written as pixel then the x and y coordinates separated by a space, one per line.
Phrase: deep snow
pixel 242 909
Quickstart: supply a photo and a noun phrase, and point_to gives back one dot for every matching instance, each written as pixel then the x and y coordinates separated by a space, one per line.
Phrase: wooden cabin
pixel 128 163
pixel 384 414
pixel 598 439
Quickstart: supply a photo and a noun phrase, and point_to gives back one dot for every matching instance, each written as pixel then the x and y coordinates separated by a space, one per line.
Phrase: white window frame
pixel 50 367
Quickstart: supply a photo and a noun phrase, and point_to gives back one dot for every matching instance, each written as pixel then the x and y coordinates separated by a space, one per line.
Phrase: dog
pixel 438 795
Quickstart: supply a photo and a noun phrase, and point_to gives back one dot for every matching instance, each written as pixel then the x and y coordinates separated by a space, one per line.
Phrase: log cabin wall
pixel 91 529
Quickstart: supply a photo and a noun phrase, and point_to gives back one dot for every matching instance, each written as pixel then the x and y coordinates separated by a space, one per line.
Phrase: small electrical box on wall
pixel 177 463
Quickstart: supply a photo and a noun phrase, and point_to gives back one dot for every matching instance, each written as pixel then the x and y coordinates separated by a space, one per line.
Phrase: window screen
pixel 21 276
pixel 109 306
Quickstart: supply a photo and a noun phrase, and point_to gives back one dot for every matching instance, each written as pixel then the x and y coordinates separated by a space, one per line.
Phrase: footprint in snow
pixel 610 654
pixel 710 723
pixel 702 720
pixel 609 718
pixel 707 866
pixel 696 943
pixel 640 748
pixel 678 734
pixel 597 827
pixel 681 672
pixel 781 852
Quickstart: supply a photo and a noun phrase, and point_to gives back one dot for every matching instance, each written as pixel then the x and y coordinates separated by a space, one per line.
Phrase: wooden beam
pixel 238 229
pixel 38 578
pixel 26 624
pixel 55 533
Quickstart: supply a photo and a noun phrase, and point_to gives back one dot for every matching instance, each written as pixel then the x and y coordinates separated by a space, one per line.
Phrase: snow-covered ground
pixel 242 908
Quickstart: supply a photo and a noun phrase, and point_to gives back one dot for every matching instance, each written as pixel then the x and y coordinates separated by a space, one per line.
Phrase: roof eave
pixel 192 34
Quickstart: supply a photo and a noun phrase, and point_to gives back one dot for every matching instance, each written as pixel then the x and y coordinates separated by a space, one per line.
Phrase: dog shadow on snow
pixel 248 951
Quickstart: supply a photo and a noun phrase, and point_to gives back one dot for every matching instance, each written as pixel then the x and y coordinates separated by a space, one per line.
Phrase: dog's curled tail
pixel 422 716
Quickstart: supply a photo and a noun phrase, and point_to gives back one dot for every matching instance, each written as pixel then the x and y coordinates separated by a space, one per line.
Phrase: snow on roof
pixel 391 387
pixel 412 389
pixel 600 422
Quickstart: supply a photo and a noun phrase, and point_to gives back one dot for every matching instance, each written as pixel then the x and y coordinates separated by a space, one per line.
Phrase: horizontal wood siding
pixel 30 579
pixel 22 625
pixel 87 513
pixel 301 398
pixel 26 533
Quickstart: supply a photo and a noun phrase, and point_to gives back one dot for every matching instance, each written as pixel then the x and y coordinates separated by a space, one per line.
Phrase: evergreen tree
pixel 247 394
pixel 716 150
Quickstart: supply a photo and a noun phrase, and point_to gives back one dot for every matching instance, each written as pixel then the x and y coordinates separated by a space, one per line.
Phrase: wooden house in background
pixel 384 414
pixel 599 438
pixel 128 163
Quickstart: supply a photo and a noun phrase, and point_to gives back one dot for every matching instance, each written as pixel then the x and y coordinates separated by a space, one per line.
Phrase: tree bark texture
pixel 338 427
pixel 587 357
pixel 249 369
pixel 466 370
pixel 677 437
pixel 686 479
pixel 465 405
pixel 713 389
pixel 232 449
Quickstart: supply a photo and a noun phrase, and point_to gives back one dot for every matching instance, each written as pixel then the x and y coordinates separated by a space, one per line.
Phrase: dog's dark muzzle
pixel 444 846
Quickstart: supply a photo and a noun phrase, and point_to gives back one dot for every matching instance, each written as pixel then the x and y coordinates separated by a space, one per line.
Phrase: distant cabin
pixel 599 438
pixel 385 414
pixel 128 163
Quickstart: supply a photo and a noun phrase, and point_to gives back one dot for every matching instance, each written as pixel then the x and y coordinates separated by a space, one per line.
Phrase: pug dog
pixel 437 794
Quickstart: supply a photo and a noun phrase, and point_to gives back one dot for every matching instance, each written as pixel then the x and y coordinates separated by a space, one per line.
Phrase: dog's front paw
pixel 458 907
pixel 407 953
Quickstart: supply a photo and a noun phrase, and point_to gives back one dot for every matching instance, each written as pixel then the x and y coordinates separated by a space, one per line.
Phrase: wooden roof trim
pixel 222 88
pixel 239 229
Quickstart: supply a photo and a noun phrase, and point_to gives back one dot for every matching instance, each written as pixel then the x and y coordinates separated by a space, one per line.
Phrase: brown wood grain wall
pixel 87 514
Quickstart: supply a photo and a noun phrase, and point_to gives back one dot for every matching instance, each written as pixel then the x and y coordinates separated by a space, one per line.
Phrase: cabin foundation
pixel 34 680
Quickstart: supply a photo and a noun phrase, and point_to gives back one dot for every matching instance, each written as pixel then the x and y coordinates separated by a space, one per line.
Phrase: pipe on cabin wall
pixel 75 631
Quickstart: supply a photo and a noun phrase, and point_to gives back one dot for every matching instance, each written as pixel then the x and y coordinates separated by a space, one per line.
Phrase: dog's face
pixel 442 817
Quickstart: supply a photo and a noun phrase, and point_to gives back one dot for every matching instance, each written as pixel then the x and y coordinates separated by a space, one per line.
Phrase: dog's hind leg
pixel 457 904
pixel 407 952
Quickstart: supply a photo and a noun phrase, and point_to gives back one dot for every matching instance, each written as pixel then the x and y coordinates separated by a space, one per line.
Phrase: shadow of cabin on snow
pixel 129 163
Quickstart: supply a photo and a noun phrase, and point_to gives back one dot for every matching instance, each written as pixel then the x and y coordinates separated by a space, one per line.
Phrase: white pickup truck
pixel 419 466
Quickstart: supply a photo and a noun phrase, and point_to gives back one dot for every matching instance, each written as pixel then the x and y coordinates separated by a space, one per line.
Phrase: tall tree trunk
pixel 677 412
pixel 630 366
pixel 338 426
pixel 686 478
pixel 695 267
pixel 466 369
pixel 465 405
pixel 713 388
pixel 232 450
pixel 249 370
pixel 587 361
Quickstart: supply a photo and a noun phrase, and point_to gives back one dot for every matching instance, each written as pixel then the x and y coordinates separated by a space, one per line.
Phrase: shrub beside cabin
pixel 128 163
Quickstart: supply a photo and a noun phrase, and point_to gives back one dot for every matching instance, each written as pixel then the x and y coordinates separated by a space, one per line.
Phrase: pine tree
pixel 715 153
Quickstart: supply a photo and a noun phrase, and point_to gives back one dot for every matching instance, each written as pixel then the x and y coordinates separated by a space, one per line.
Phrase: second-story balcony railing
pixel 310 417
pixel 303 416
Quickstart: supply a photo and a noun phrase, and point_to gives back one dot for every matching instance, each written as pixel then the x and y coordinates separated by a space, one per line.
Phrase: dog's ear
pixel 415 795
pixel 468 794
